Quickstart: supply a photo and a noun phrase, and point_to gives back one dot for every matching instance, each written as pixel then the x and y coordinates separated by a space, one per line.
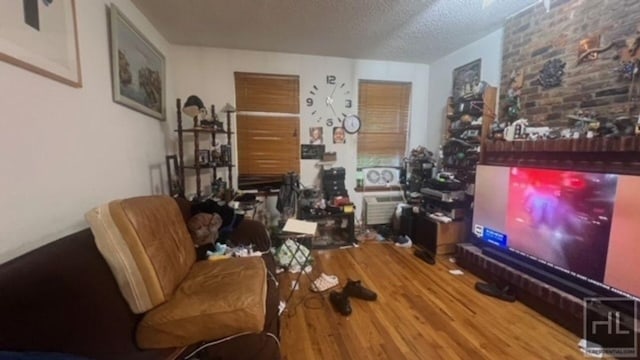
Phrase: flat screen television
pixel 580 231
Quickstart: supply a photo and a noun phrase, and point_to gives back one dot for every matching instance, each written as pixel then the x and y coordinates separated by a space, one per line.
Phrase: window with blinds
pixel 268 127
pixel 383 108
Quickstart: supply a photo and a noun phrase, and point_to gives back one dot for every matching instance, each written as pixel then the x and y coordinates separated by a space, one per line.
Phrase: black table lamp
pixel 194 107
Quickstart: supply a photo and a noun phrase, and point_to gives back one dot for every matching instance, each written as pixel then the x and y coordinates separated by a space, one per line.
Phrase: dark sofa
pixel 63 298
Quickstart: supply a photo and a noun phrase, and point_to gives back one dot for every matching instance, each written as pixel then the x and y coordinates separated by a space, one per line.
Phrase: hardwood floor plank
pixel 422 312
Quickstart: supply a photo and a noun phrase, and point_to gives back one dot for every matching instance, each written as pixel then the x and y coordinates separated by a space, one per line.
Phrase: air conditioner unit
pixel 381 176
pixel 379 209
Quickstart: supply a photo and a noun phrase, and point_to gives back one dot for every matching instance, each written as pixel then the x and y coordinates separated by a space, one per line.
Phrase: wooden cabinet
pixel 437 237
pixel 212 157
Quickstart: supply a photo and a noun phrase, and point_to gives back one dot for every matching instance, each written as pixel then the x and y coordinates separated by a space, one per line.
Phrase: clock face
pixel 352 124
pixel 329 102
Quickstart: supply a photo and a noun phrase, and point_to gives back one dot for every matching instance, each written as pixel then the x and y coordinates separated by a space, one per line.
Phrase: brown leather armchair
pixel 149 250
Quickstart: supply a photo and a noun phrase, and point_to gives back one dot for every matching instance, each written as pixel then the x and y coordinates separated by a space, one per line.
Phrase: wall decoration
pixel 173 175
pixel 628 70
pixel 138 68
pixel 315 135
pixel 41 36
pixel 466 78
pixel 204 157
pixel 551 73
pixel 339 135
pixel 587 44
pixel 632 45
pixel 590 48
pixel 309 151
pixel 330 101
pixel 512 103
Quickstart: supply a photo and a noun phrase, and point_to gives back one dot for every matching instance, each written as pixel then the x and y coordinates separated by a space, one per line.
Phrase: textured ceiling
pixel 399 30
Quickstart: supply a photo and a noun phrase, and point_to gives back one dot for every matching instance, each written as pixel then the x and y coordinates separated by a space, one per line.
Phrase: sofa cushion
pixel 215 300
pixel 147 246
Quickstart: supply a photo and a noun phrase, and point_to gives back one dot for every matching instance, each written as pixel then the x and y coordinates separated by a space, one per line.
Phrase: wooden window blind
pixel 268 127
pixel 383 108
pixel 267 93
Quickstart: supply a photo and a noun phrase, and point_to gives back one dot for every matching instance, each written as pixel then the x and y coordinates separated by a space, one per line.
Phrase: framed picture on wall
pixel 138 68
pixel 41 36
pixel 173 175
pixel 466 78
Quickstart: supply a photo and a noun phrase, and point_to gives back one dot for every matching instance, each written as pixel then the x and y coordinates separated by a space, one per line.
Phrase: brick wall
pixel 534 36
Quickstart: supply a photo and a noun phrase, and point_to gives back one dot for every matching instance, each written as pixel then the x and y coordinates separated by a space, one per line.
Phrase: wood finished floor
pixel 422 312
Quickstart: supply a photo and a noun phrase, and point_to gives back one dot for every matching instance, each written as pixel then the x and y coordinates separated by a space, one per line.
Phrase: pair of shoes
pixel 404 241
pixel 324 282
pixel 340 300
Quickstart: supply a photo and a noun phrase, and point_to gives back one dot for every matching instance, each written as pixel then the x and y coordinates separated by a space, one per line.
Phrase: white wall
pixel 489 49
pixel 208 73
pixel 65 150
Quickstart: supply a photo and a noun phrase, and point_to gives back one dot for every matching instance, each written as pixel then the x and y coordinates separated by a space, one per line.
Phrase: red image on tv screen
pixel 562 217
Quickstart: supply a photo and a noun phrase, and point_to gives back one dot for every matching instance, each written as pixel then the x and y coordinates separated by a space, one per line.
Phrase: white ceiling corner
pixel 419 31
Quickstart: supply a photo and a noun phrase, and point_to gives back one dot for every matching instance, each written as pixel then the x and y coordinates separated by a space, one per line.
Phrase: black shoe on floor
pixel 356 290
pixel 493 290
pixel 340 302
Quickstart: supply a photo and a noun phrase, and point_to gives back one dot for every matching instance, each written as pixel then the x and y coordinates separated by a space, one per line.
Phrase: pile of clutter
pixel 223 251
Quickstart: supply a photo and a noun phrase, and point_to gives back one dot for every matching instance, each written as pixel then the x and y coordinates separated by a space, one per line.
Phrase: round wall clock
pixel 330 101
pixel 352 124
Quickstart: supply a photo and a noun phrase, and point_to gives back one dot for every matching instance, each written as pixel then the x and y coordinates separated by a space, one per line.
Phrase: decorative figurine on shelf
pixel 213 121
pixel 585 124
pixel 516 131
pixel 195 108
pixel 215 157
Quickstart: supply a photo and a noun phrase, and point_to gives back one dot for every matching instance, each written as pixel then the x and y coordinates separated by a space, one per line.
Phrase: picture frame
pixel 138 68
pixel 466 78
pixel 42 37
pixel 173 175
pixel 204 157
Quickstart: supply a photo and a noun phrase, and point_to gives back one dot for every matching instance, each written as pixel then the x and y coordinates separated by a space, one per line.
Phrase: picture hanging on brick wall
pixel 466 78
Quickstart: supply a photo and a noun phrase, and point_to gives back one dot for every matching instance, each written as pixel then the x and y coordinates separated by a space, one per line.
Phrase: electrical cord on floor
pixel 305 301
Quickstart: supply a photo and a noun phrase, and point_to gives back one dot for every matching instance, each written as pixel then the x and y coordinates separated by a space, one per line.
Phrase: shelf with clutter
pixel 582 140
pixel 469 119
pixel 215 155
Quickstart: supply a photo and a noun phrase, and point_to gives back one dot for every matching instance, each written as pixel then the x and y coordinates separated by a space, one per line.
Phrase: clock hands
pixel 334 90
pixel 334 111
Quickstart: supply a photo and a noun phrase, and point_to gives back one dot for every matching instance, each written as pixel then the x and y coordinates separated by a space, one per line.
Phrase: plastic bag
pixel 285 253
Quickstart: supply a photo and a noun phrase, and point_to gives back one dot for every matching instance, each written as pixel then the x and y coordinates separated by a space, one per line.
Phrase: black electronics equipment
pixel 333 183
pixel 456 209
pixel 406 221
pixel 471 107
pixel 442 184
pixel 337 173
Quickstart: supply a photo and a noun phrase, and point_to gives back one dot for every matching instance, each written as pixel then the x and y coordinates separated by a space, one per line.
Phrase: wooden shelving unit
pixel 212 132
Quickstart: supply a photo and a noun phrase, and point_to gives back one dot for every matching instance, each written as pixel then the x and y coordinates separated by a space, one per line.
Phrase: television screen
pixel 583 224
